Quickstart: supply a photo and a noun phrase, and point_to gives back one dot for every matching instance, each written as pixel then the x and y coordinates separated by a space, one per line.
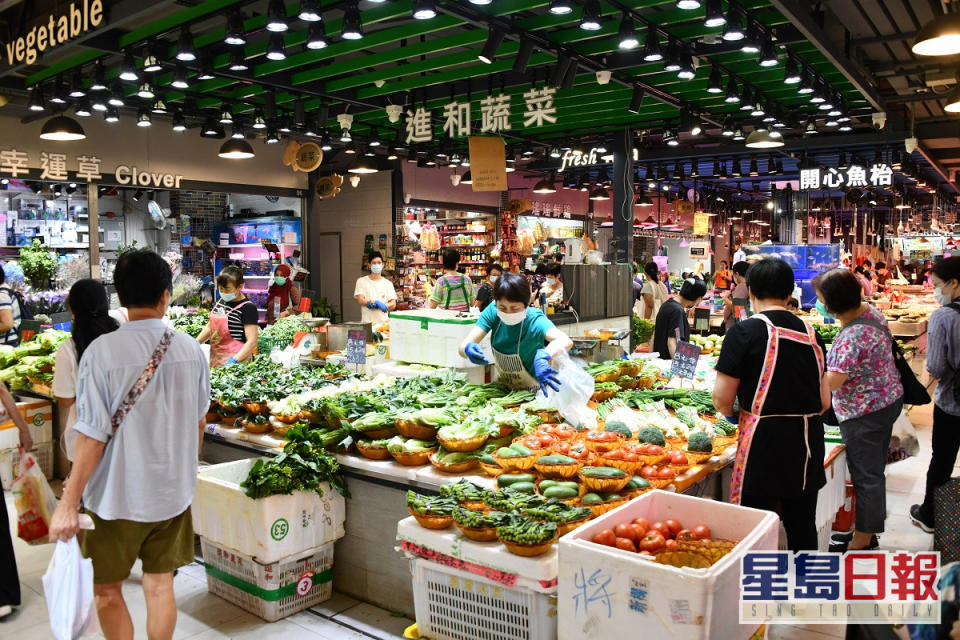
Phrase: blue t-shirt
pixel 503 338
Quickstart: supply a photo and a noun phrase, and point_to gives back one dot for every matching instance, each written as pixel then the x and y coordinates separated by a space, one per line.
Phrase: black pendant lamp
pixel 62 129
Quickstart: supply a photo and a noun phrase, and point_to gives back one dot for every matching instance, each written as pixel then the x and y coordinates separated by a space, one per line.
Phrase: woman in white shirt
pixel 89 308
pixel 653 294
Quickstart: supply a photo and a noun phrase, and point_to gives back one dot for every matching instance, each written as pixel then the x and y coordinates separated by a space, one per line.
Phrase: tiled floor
pixel 203 616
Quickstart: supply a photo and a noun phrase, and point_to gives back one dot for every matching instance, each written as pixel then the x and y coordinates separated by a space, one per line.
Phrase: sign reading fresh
pixel 54 30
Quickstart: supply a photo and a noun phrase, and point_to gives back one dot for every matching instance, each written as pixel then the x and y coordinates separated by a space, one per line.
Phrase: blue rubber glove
pixel 733 419
pixel 381 305
pixel 544 373
pixel 230 362
pixel 371 305
pixel 475 354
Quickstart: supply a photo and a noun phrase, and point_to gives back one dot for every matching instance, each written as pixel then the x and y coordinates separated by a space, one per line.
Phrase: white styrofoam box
pixel 432 336
pixel 10 463
pixel 271 590
pixel 269 528
pixel 475 374
pixel 537 574
pixel 451 604
pixel 681 604
pixel 39 417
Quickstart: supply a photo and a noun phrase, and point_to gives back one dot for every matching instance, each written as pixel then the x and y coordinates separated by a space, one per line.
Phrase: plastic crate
pixel 273 527
pixel 456 605
pixel 273 590
pixel 432 336
pixel 10 463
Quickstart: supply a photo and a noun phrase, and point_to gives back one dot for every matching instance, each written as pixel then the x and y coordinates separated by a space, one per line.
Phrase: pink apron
pixel 223 346
pixel 750 419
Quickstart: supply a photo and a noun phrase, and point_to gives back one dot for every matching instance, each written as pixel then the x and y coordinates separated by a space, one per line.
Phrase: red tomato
pixel 701 532
pixel 626 544
pixel 654 450
pixel 605 537
pixel 648 471
pixel 653 541
pixel 677 457
pixel 546 440
pixel 624 531
pixel 616 454
pixel 686 535
pixel 563 448
pixel 628 456
pixel 638 531
pixel 671 545
pixel 661 528
pixel 666 472
pixel 602 436
pixel 675 527
pixel 642 522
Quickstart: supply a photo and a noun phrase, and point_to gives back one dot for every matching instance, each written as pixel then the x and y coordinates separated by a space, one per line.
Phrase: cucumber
pixel 487 459
pixel 568 484
pixel 522 487
pixel 507 452
pixel 520 450
pixel 509 479
pixel 610 496
pixel 636 482
pixel 560 493
pixel 546 484
pixel 603 472
pixel 556 459
pixel 591 498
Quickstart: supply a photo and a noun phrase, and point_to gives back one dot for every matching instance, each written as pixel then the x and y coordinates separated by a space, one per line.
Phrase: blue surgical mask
pixel 552 282
pixel 376 268
pixel 228 297
pixel 822 310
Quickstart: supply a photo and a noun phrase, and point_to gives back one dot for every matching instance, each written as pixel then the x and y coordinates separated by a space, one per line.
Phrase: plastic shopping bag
pixel 68 587
pixel 903 442
pixel 34 501
pixel 576 388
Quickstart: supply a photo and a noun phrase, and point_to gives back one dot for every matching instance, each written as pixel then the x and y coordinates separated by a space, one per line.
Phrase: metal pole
pixel 93 230
pixel 623 198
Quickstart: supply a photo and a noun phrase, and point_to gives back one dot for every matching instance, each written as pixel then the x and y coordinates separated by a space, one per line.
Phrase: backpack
pixel 913 390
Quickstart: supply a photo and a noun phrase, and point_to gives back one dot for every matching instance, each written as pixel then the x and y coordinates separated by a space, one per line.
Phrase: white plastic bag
pixel 903 441
pixel 68 587
pixel 576 388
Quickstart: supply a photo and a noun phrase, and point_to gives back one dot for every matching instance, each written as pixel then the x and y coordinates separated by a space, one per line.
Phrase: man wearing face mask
pixel 374 293
pixel 485 291
pixel 523 339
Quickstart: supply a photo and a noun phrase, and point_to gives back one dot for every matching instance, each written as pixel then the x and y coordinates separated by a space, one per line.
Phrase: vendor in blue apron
pixel 523 339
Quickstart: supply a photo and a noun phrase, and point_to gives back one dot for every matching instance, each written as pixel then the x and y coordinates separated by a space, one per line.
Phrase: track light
pixel 559 8
pixel 751 39
pixel 627 34
pixel 275 48
pixel 811 128
pixel 128 68
pixel 522 61
pixel 272 137
pixel 277 17
pixel 746 99
pixel 206 67
pixel 686 70
pixel 591 16
pixel 325 143
pixel 145 91
pixel 758 111
pixel 733 94
pixel 424 10
pixel 599 194
pixel 116 95
pixel 180 78
pixel 210 129
pixel 352 24
pixel 489 52
pixel 99 82
pixel 309 11
pixel 185 52
pixel 714 17
pixel 226 115
pixel 728 128
pixel 59 92
pixel 144 118
pixel 953 101
pixel 806 84
pixel 546 185
pixel 738 133
pixel 235 31
pixel 238 59
pixel 159 106
pixel 76 87
pixel 258 120
pixel 651 45
pixel 768 55
pixel 151 64
pixel 715 84
pixel 791 71
pixel 36 99
pixel 236 150
pixel 112 114
pixel 733 30
pixel 179 122
pixel 688 5
pixel 672 57
pixel 317 36
pixel 636 100
pixel 555 152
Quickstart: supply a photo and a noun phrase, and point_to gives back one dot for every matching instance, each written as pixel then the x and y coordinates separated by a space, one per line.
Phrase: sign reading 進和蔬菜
pixel 54 166
pixel 53 30
pixel 877 175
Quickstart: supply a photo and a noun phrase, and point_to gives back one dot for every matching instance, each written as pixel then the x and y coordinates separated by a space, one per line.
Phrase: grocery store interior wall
pixel 154 149
pixel 354 214
pixel 433 184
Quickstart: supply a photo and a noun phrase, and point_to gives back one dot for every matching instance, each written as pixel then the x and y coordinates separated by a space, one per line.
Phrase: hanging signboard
pixel 701 224
pixel 488 163
pixel 878 175
pixel 84 168
pixel 51 30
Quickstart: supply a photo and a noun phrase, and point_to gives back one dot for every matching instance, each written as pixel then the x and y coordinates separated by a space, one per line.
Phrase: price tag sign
pixel 357 346
pixel 29 328
pixel 685 360
pixel 701 320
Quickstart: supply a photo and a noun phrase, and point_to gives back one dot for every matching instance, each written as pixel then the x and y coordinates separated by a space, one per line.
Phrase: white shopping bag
pixel 576 388
pixel 903 441
pixel 68 587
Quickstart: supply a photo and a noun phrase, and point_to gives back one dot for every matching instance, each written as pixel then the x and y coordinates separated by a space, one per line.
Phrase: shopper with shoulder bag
pixel 143 392
pixel 943 363
pixel 652 294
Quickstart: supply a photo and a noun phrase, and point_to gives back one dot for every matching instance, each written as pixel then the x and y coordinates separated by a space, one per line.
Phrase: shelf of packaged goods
pixel 254 276
pixel 466 246
pixel 257 244
pixel 456 231
pixel 434 264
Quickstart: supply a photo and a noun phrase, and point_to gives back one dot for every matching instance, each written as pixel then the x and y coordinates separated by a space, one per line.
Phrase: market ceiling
pixel 402 60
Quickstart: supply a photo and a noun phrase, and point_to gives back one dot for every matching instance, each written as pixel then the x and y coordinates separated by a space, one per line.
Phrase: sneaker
pixel 5 610
pixel 839 546
pixel 840 536
pixel 916 514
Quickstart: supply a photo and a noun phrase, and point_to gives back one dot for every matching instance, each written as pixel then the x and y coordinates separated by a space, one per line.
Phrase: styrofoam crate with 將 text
pixel 267 528
pixel 604 590
pixel 38 415
pixel 271 590
pixel 432 336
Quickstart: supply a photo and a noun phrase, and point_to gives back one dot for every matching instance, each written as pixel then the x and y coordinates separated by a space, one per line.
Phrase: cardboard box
pixel 39 417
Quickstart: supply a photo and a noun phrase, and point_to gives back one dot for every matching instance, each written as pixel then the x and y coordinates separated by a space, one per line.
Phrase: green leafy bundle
pixel 302 466
pixel 642 330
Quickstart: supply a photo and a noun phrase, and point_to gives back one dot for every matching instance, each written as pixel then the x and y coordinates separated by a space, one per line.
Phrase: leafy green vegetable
pixel 191 323
pixel 302 466
pixel 280 334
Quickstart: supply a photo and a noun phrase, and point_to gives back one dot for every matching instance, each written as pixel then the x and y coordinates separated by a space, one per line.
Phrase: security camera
pixel 879 120
pixel 910 144
pixel 345 120
pixel 379 83
pixel 406 198
pixel 603 77
pixel 393 112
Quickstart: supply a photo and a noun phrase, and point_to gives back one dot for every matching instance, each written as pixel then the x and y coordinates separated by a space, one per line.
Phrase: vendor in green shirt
pixel 523 339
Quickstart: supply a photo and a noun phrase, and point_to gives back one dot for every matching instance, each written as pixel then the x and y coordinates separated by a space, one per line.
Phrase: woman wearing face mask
pixel 551 285
pixel 485 291
pixel 672 321
pixel 943 363
pixel 283 292
pixel 523 339
pixel 233 328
